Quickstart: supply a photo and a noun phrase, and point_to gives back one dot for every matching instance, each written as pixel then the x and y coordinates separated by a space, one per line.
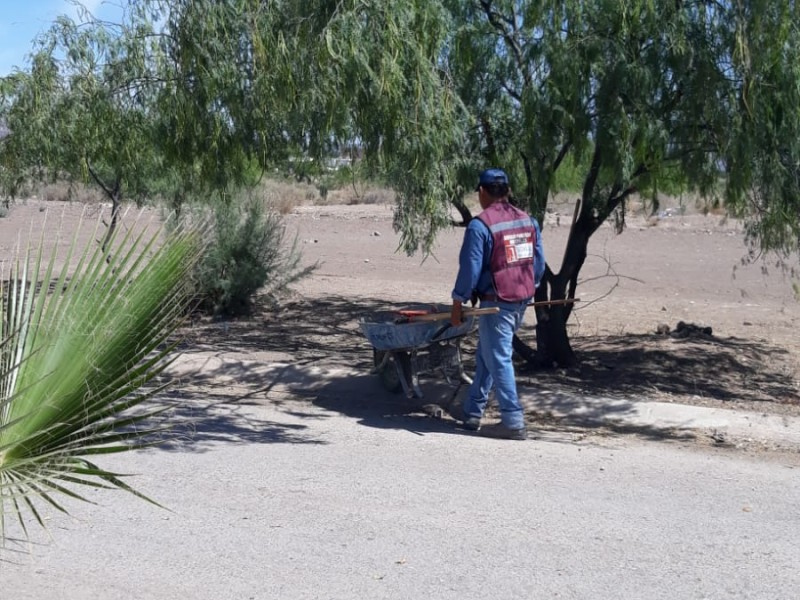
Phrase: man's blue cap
pixel 492 177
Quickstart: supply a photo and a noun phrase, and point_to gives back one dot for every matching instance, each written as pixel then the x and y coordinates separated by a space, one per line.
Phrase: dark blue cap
pixel 492 177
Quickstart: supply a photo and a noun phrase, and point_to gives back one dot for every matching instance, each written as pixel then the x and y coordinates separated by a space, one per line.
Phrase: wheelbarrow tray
pixel 385 334
pixel 404 349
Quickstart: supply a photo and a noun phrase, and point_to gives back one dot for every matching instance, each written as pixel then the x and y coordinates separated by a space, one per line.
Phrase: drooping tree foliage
pixel 160 104
pixel 262 82
pixel 633 93
pixel 84 111
pixel 762 156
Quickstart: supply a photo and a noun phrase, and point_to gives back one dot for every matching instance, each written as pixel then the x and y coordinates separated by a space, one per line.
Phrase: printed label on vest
pixel 519 246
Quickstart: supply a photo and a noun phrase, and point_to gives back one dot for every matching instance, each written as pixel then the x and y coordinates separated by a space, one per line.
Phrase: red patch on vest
pixel 519 246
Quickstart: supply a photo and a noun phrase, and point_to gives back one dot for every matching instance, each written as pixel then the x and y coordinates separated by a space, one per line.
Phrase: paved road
pixel 291 500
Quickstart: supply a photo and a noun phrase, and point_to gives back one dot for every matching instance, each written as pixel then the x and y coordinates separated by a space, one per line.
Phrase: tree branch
pixel 495 20
pixel 512 92
pixel 591 179
pixel 526 163
pixel 562 155
pixel 108 191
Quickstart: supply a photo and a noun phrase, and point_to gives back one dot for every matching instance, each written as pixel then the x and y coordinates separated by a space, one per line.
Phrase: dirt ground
pixel 659 272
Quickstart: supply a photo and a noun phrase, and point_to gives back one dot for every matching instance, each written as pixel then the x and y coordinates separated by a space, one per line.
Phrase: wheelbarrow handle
pixel 445 316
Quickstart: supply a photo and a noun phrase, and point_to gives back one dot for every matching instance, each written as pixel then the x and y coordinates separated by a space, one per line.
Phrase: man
pixel 501 262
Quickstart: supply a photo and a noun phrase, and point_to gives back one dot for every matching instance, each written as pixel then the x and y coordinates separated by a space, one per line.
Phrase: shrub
pixel 249 256
pixel 378 196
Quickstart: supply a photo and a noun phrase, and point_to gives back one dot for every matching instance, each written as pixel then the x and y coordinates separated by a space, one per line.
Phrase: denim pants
pixel 494 366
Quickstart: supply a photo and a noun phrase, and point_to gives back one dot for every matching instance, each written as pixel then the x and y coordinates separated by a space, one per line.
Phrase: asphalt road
pixel 292 501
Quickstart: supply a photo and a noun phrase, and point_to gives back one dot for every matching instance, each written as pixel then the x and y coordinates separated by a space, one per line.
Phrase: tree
pixel 261 82
pixel 633 93
pixel 636 92
pixel 81 350
pixel 155 105
pixel 84 111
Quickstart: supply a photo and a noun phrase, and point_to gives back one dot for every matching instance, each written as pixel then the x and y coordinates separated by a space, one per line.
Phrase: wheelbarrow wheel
pixel 388 372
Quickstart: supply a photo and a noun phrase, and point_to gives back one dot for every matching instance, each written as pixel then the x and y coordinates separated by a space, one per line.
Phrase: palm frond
pixel 79 358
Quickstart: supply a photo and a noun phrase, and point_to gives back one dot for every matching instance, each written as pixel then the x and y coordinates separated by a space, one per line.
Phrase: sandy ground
pixel 682 268
pixel 330 487
pixel 688 268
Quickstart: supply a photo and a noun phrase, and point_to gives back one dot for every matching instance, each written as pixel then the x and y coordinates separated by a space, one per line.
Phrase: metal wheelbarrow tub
pixel 385 334
pixel 413 342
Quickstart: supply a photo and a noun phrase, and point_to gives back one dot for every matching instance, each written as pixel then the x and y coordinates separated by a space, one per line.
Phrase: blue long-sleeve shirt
pixel 474 274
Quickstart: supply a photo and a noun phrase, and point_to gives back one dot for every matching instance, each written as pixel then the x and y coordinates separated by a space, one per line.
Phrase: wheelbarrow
pixel 418 340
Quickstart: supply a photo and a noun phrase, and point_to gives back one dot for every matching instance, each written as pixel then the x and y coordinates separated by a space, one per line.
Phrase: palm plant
pixel 81 349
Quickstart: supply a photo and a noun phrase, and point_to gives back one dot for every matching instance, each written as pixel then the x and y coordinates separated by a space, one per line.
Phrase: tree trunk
pixel 553 348
pixel 552 342
pixel 466 214
pixel 116 205
pixel 114 193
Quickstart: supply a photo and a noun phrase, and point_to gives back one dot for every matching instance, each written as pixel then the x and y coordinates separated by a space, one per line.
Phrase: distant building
pixel 332 164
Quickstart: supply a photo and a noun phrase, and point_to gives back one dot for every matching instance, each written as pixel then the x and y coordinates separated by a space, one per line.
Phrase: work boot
pixel 469 423
pixel 500 431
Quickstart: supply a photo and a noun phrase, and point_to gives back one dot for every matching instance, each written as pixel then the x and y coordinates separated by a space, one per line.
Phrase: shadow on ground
pixel 217 398
pixel 304 331
pixel 734 371
pixel 308 352
pixel 198 421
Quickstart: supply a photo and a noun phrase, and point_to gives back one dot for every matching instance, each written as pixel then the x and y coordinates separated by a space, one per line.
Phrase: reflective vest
pixel 511 263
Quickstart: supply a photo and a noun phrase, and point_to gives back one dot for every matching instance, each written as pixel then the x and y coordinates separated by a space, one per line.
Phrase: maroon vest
pixel 511 263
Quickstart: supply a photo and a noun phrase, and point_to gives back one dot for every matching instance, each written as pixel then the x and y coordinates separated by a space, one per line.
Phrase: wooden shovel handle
pixel 555 302
pixel 445 315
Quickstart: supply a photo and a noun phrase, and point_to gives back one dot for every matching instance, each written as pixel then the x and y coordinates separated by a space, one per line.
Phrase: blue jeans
pixel 494 366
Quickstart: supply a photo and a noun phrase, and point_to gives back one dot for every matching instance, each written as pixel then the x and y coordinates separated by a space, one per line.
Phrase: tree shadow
pixel 308 351
pixel 304 352
pixel 306 331
pixel 318 337
pixel 199 420
pixel 337 386
pixel 364 398
pixel 733 371
pixel 565 411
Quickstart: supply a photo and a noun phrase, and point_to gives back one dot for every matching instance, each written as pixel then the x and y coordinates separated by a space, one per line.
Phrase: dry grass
pixel 687 204
pixel 284 196
pixel 63 191
pixel 375 196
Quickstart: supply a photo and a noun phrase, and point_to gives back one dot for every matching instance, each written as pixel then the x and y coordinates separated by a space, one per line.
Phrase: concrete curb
pixel 724 426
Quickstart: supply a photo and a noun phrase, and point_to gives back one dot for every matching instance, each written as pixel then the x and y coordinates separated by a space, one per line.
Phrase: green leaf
pixel 80 359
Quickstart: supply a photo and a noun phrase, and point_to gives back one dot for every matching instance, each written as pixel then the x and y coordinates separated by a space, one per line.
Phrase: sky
pixel 22 20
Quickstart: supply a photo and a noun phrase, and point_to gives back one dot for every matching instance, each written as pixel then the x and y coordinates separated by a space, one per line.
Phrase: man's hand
pixel 456 317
